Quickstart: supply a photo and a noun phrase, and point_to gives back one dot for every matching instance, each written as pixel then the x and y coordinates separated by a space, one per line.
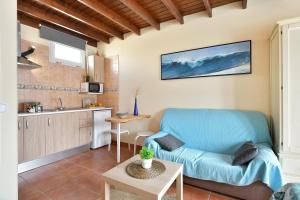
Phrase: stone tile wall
pixel 49 82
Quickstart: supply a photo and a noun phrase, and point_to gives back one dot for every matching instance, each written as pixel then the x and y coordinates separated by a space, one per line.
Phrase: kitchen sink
pixel 61 109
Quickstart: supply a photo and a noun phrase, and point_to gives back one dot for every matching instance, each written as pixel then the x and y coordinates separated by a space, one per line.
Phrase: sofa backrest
pixel 213 130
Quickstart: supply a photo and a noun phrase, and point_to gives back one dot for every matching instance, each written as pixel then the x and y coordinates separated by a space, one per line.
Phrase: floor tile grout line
pixel 37 189
pixel 92 191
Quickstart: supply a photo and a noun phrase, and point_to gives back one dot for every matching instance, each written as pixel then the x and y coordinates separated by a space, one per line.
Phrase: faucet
pixel 61 104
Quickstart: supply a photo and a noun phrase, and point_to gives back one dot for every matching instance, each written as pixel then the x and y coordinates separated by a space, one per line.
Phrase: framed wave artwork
pixel 219 60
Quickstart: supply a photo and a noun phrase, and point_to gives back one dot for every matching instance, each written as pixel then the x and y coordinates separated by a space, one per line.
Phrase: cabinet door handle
pixel 19 125
pixel 49 121
pixel 27 124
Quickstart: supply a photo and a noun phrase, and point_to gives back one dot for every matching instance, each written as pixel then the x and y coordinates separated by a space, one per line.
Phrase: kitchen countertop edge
pixel 64 111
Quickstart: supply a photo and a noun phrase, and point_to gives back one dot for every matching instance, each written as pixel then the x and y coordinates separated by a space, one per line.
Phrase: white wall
pixel 139 58
pixel 8 95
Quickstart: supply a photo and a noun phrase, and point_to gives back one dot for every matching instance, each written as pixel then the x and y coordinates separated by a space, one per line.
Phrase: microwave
pixel 91 87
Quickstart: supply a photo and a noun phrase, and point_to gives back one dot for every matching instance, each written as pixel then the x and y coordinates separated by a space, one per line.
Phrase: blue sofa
pixel 211 137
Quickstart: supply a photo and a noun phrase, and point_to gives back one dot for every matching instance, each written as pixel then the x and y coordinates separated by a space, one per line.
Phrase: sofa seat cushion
pixel 218 167
pixel 205 165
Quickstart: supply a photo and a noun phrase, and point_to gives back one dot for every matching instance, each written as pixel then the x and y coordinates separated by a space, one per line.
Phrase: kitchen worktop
pixel 66 110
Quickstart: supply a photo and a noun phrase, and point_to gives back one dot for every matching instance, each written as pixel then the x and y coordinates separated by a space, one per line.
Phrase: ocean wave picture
pixel 227 59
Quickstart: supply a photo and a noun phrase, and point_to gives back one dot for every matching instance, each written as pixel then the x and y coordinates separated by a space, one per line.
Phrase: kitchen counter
pixel 66 110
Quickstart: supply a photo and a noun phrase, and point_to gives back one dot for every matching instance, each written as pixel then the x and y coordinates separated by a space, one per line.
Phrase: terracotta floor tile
pixel 103 168
pixel 65 190
pixel 80 178
pixel 78 158
pixel 41 172
pixel 75 170
pixel 70 169
pixel 91 181
pixel 29 193
pixel 49 183
pixel 90 163
pixel 83 194
pixel 34 196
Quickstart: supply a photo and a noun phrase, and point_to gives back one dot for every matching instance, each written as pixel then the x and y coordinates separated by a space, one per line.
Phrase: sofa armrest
pixel 151 143
pixel 267 165
pixel 266 154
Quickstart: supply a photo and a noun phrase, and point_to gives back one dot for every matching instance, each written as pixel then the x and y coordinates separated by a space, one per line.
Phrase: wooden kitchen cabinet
pixel 96 68
pixel 85 135
pixel 85 127
pixel 62 132
pixel 34 137
pixel 71 130
pixel 20 139
pixel 40 135
pixel 54 141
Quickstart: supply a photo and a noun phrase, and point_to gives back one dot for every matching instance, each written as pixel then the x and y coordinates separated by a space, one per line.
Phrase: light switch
pixel 2 108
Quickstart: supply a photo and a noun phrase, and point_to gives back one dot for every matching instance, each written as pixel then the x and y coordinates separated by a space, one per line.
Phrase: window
pixel 66 55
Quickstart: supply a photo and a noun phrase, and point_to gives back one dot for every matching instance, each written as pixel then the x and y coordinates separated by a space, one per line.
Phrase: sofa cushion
pixel 169 142
pixel 247 152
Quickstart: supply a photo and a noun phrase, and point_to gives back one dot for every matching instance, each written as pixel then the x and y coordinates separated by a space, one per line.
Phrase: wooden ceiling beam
pixel 53 19
pixel 71 12
pixel 142 12
pixel 208 7
pixel 35 23
pixel 244 4
pixel 100 8
pixel 174 10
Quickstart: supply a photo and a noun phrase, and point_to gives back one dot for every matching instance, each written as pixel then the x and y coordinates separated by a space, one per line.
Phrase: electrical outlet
pixel 2 108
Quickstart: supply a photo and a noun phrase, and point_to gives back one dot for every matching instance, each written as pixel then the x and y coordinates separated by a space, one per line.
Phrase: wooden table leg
pixel 179 187
pixel 118 142
pixel 107 191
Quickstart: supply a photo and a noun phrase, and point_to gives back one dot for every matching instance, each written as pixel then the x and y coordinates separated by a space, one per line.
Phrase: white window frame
pixel 53 59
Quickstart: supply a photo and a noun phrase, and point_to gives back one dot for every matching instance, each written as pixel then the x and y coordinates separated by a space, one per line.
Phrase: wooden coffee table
pixel 154 188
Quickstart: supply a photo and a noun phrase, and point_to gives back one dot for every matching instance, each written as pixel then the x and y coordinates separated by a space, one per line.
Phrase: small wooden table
pixel 120 121
pixel 154 188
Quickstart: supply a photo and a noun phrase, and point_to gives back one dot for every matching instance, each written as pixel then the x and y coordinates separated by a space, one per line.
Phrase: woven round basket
pixel 136 170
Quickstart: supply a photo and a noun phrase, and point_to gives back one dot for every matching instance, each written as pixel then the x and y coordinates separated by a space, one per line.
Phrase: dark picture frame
pixel 218 60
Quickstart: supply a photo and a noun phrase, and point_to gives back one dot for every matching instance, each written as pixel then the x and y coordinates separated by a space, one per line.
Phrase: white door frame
pixel 8 96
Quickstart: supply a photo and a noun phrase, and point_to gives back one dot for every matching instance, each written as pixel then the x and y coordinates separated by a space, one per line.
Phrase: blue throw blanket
pixel 211 137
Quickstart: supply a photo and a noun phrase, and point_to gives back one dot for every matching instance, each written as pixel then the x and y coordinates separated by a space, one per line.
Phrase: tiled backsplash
pixel 49 82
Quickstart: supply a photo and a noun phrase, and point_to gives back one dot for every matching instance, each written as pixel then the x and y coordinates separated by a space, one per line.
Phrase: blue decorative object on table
pixel 135 110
